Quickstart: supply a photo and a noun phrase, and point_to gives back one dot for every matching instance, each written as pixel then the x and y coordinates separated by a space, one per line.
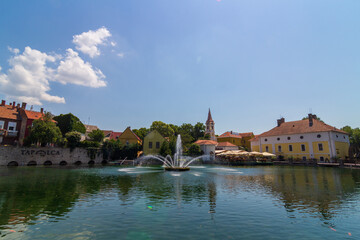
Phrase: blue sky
pixel 129 63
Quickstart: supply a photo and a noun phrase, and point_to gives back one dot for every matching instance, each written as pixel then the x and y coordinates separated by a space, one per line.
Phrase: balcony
pixel 12 133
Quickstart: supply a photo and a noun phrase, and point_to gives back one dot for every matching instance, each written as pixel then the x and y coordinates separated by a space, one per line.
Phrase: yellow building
pixel 152 142
pixel 129 137
pixel 238 139
pixel 304 139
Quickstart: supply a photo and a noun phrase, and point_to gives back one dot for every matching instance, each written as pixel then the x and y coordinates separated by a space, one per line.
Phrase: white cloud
pixel 88 42
pixel 14 50
pixel 28 78
pixel 121 55
pixel 113 44
pixel 74 70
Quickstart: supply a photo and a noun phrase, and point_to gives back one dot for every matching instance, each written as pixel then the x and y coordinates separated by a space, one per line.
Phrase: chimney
pixel 13 105
pixel 3 102
pixel 18 106
pixel 23 105
pixel 231 132
pixel 311 118
pixel 42 110
pixel 280 121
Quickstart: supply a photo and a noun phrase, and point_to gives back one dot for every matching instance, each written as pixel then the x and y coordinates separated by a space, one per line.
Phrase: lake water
pixel 207 202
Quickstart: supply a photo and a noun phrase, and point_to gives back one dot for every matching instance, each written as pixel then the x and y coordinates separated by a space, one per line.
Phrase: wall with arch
pixel 19 156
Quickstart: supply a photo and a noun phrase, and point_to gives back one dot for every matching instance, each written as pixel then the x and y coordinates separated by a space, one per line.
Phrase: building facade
pixel 210 127
pixel 15 122
pixel 208 147
pixel 304 139
pixel 152 143
pixel 129 137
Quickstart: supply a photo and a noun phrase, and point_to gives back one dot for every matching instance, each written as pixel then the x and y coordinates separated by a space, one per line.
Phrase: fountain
pixel 178 162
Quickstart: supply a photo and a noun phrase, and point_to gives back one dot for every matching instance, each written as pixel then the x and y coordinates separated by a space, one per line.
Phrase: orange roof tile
pixel 235 135
pixel 255 138
pixel 8 112
pixel 33 115
pixel 226 144
pixel 206 142
pixel 298 127
pixel 115 135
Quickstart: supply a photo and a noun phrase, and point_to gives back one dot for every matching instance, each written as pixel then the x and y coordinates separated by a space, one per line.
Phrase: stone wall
pixel 48 156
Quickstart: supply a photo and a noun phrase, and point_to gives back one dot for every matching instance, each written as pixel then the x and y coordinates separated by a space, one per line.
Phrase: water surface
pixel 208 202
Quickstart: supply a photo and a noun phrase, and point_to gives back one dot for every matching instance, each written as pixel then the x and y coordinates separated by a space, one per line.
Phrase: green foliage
pixel 199 130
pixel 307 117
pixel 69 123
pixel 96 135
pixel 73 139
pixel 354 137
pixel 194 150
pixel 89 144
pixel 165 149
pixel 115 150
pixel 44 131
pixel 141 132
pixel 164 129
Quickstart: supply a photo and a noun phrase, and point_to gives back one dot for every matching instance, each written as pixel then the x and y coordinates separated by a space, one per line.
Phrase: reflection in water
pixel 39 196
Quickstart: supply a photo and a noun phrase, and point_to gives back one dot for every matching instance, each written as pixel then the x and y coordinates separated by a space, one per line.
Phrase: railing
pixel 12 133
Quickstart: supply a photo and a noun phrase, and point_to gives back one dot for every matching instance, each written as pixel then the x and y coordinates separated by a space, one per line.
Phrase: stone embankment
pixel 19 156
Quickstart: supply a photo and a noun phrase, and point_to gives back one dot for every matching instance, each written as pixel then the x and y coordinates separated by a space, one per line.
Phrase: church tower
pixel 210 127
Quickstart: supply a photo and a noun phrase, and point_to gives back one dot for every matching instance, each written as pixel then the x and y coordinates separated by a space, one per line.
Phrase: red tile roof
pixel 298 127
pixel 235 135
pixel 115 135
pixel 8 112
pixel 206 142
pixel 226 144
pixel 107 132
pixel 255 138
pixel 33 115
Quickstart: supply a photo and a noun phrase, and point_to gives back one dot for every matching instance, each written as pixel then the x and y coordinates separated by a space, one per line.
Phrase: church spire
pixel 209 117
pixel 210 127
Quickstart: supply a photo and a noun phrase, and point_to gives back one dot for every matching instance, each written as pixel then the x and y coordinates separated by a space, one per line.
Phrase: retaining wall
pixel 19 156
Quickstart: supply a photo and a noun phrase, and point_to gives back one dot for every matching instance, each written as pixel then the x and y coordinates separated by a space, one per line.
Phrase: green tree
pixel 141 132
pixel 165 149
pixel 96 135
pixel 164 129
pixel 68 123
pixel 44 131
pixel 73 139
pixel 175 128
pixel 194 150
pixel 354 137
pixel 199 131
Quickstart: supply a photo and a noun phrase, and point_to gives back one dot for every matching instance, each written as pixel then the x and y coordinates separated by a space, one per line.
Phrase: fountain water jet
pixel 178 162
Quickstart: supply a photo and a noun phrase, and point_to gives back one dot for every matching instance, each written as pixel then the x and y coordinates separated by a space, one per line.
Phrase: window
pixel 301 137
pixel 267 149
pixel 289 138
pixel 12 126
pixel 157 145
pixel 265 139
pixel 2 123
pixel 279 148
pixel 320 146
pixel 304 158
pixel 278 139
pixel 337 136
pixel 321 159
pixel 290 148
pixel 150 144
pixel 318 136
pixel 303 147
pixel 127 142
